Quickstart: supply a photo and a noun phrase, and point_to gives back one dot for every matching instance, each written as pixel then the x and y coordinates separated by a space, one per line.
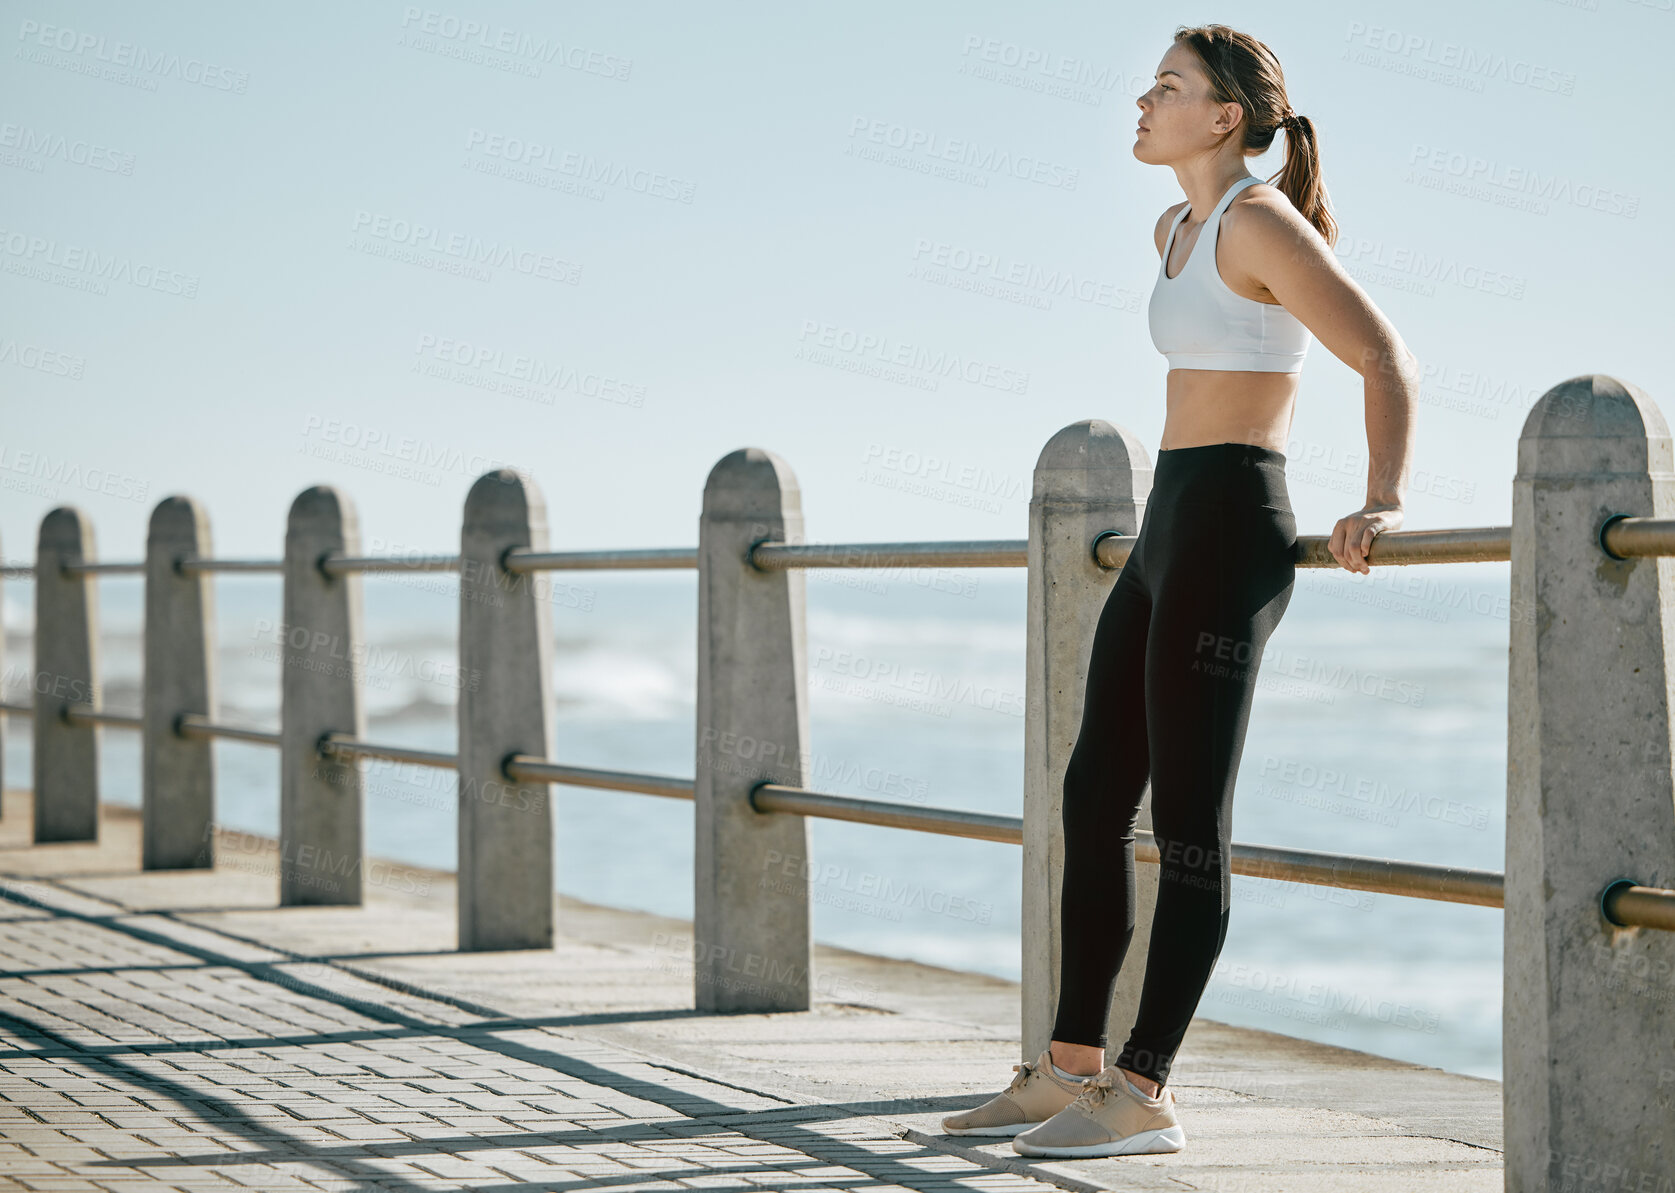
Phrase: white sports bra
pixel 1198 322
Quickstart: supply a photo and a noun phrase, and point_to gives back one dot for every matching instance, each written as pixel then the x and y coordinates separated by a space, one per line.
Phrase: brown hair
pixel 1244 71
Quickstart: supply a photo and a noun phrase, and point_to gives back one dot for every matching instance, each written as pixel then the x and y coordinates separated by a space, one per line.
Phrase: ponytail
pixel 1300 178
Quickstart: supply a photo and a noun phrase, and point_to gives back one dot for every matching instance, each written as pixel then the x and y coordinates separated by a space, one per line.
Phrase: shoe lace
pixel 1097 1088
pixel 1023 1074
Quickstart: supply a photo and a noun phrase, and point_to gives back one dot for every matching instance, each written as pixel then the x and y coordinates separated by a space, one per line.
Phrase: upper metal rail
pixel 1622 535
pixel 1002 553
pixel 640 559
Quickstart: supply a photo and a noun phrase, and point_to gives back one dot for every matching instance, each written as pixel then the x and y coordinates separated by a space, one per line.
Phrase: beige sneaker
pixel 1035 1095
pixel 1107 1119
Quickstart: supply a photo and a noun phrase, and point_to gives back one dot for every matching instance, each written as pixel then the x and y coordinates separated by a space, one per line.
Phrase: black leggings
pixel 1170 684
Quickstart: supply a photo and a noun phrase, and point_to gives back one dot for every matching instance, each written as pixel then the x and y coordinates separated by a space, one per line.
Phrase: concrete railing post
pixel 320 799
pixel 506 637
pixel 178 781
pixel 1091 477
pixel 752 949
pixel 1588 1051
pixel 66 770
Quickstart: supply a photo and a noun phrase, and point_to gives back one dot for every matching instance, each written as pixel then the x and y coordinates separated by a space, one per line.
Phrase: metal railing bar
pixel 86 714
pixel 105 569
pixel 1385 876
pixel 1111 549
pixel 197 725
pixel 993 553
pixel 339 565
pixel 192 564
pixel 1626 535
pixel 1417 879
pixel 525 767
pixel 17 710
pixel 1632 905
pixel 1475 544
pixel 953 822
pixel 525 560
pixel 1487 544
pixel 347 745
pixel 529 768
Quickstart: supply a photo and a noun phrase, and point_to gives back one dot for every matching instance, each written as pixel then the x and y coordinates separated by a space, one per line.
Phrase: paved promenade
pixel 179 1030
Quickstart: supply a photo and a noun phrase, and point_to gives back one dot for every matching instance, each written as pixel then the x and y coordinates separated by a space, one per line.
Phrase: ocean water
pixel 1379 729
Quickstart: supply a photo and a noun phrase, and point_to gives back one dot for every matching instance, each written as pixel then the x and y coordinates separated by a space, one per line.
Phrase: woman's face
pixel 1177 115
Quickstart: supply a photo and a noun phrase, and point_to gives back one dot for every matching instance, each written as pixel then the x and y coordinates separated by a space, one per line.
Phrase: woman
pixel 1173 667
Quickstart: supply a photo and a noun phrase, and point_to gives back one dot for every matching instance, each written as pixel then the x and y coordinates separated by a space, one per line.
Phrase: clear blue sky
pixel 706 197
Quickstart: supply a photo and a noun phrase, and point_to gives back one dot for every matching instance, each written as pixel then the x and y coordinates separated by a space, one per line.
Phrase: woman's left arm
pixel 1283 252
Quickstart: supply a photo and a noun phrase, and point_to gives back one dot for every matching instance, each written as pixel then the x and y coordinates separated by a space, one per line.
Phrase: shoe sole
pixel 1164 1139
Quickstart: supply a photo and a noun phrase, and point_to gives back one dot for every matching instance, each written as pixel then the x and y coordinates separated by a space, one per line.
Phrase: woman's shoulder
pixel 1260 209
pixel 1261 194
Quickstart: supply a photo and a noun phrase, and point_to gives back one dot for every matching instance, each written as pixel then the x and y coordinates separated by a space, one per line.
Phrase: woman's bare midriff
pixel 1220 406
